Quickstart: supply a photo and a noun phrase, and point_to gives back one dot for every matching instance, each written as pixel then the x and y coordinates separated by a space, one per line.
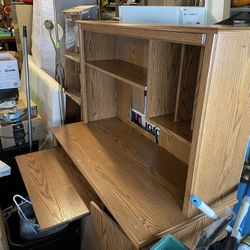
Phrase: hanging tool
pixel 27 86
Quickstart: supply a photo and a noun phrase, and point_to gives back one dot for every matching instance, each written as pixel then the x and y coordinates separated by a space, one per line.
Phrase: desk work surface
pixel 136 179
pixel 50 178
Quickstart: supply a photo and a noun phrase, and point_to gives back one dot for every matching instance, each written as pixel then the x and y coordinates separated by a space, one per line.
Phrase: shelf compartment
pixel 75 96
pixel 121 70
pixel 74 56
pixel 175 137
pixel 181 128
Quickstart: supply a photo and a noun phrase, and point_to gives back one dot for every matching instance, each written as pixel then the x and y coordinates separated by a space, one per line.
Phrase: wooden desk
pixel 127 172
pixel 197 94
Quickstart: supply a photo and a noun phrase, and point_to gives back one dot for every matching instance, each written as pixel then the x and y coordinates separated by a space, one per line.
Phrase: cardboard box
pixel 9 73
pixel 18 112
pixel 12 136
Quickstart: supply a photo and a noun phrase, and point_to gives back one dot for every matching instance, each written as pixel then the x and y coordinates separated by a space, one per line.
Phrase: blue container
pixel 169 243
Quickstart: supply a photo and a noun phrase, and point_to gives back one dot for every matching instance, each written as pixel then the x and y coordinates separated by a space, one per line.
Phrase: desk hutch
pixel 193 84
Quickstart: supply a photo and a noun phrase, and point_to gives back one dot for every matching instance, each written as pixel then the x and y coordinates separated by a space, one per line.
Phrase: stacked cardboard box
pixel 14 124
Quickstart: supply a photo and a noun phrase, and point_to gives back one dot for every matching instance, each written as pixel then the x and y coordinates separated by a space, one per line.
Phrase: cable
pixel 59 69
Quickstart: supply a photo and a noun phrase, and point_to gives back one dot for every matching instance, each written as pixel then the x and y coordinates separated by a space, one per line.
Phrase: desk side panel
pixel 217 158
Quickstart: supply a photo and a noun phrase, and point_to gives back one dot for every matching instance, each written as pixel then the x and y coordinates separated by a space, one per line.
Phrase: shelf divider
pixel 132 74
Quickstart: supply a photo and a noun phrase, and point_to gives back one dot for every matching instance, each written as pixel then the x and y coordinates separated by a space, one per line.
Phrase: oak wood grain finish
pixel 197 89
pixel 84 109
pixel 132 50
pixel 201 97
pixel 163 70
pixel 181 128
pixel 190 60
pixel 177 146
pixel 138 100
pixel 156 31
pixel 136 179
pixel 55 194
pixel 121 70
pixel 225 127
pixel 186 35
pixel 124 101
pixel 101 95
pixel 106 234
pixel 99 46
pixel 175 137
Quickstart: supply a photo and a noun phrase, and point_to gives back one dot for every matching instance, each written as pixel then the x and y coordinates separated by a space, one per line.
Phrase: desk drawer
pixel 57 190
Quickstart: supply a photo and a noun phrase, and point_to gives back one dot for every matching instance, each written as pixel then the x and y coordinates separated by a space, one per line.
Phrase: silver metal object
pixel 27 86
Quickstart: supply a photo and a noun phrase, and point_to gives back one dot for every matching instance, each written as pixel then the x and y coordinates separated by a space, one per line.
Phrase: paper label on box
pixel 9 75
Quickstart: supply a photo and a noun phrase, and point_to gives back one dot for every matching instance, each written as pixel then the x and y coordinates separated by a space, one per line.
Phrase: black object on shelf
pixel 67 238
pixel 239 19
pixel 9 94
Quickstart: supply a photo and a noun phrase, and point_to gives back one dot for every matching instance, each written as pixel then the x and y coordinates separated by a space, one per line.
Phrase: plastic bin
pixel 67 238
pixel 169 243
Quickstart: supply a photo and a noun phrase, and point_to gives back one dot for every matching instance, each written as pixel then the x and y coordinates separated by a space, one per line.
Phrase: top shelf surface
pixel 121 70
pixel 184 34
pixel 140 183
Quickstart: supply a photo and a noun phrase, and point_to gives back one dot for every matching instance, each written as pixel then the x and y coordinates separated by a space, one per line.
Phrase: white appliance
pixel 163 14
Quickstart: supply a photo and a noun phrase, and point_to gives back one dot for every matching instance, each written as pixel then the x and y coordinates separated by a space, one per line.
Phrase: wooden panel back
pixel 217 158
pixel 132 50
pixel 124 101
pixel 102 95
pixel 163 71
pixel 190 59
pixel 99 46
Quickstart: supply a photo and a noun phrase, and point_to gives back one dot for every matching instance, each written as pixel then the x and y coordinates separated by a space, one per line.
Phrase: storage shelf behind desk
pixel 141 184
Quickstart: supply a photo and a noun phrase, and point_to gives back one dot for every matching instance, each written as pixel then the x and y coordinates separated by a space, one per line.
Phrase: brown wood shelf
pixel 121 70
pixel 180 128
pixel 135 178
pixel 74 56
pixel 54 187
pixel 75 96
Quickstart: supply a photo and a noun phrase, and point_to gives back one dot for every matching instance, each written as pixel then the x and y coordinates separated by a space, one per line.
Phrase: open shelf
pixel 180 128
pixel 74 56
pixel 75 96
pixel 121 70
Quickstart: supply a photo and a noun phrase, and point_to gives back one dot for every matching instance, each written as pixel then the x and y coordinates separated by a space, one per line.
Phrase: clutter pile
pixel 13 107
